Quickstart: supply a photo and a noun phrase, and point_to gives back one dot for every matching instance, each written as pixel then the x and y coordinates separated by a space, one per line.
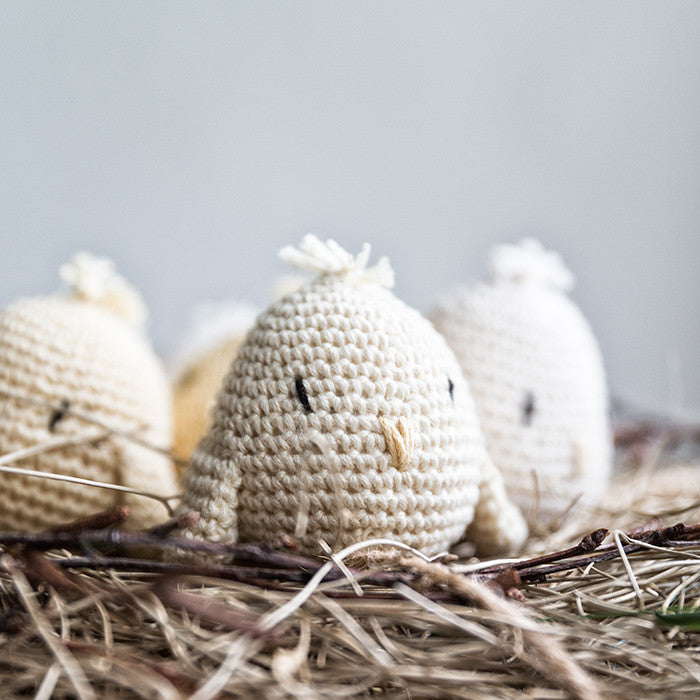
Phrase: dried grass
pixel 620 629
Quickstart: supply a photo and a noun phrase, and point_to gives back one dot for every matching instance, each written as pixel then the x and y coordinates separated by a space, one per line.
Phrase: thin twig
pixel 531 569
pixel 164 500
pixel 178 522
pixel 48 446
pixel 589 543
pixel 99 521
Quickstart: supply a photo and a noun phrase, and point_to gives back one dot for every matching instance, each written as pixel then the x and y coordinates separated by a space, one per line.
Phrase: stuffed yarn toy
pixel 536 375
pixel 200 367
pixel 345 417
pixel 72 354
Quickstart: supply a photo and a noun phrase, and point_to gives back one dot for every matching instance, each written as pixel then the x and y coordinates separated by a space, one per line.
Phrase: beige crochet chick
pixel 537 378
pixel 346 417
pixel 81 351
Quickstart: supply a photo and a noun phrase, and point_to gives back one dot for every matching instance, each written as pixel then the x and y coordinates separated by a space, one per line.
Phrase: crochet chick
pixel 346 417
pixel 66 358
pixel 537 378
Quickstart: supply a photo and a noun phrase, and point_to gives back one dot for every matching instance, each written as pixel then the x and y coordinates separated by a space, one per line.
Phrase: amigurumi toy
pixel 201 365
pixel 72 356
pixel 536 375
pixel 345 417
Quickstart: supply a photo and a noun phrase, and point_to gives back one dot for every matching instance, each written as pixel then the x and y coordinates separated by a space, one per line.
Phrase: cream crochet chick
pixel 536 375
pixel 346 417
pixel 81 351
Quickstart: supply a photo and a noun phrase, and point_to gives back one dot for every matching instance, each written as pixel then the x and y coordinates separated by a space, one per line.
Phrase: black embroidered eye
pixel 302 395
pixel 58 415
pixel 528 408
pixel 451 389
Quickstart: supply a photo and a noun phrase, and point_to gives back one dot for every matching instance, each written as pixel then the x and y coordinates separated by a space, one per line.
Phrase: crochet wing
pixel 211 487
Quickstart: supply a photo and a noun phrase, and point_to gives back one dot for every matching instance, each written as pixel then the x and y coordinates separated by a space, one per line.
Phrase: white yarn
pixel 529 262
pixel 330 259
pixel 94 279
pixel 345 409
pixel 536 374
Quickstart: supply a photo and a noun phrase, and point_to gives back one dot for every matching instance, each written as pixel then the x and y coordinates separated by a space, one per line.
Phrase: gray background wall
pixel 192 140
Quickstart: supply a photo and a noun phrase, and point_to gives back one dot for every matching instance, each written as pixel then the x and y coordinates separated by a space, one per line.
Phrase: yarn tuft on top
pixel 329 259
pixel 528 262
pixel 94 279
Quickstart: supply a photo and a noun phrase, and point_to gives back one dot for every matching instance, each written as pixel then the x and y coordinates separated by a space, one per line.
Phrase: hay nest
pixel 604 602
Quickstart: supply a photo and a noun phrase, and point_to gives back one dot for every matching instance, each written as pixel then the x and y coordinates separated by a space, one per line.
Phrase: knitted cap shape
pixel 536 375
pixel 80 350
pixel 346 417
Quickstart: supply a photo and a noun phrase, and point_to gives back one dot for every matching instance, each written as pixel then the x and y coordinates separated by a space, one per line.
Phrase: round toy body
pixel 56 350
pixel 344 417
pixel 536 375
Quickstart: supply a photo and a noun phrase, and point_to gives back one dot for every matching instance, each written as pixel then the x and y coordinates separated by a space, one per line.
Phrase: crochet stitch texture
pixel 537 378
pixel 345 417
pixel 81 348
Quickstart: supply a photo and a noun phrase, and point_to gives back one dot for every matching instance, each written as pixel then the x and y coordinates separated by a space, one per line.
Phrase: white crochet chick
pixel 73 354
pixel 537 378
pixel 345 417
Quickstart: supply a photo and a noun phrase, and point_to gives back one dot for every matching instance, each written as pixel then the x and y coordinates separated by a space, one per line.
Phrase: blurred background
pixel 190 141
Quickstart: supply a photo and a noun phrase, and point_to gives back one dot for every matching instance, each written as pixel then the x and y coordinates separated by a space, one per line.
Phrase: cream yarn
pixel 537 378
pixel 346 417
pixel 81 349
pixel 200 367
